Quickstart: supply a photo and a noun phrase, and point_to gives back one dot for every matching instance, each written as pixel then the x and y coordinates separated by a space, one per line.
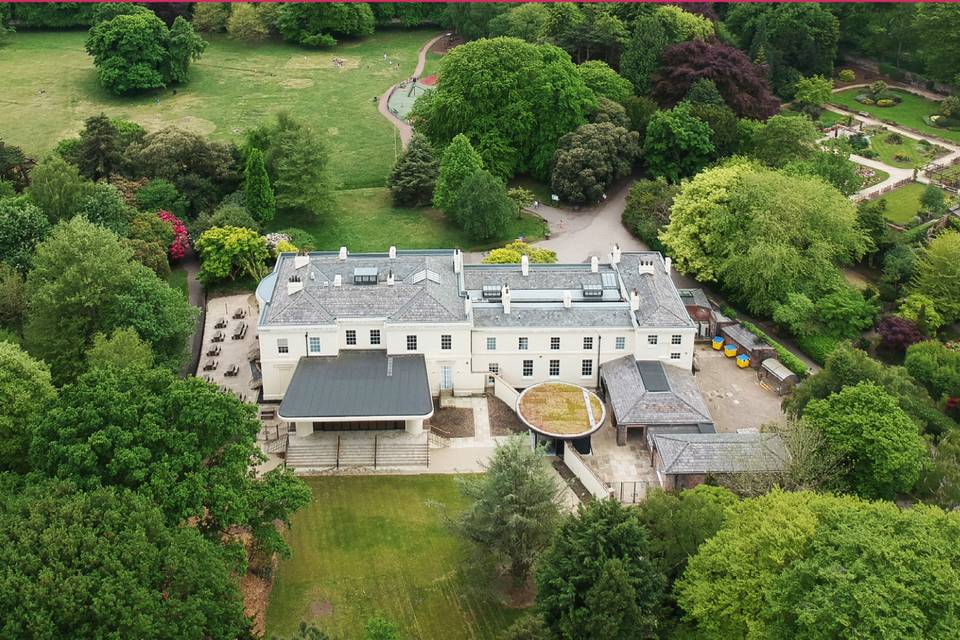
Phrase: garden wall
pixel 574 461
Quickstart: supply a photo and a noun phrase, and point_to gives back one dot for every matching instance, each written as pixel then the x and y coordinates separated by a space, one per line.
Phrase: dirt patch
pixel 321 62
pixel 513 595
pixel 451 422
pixel 333 131
pixel 321 608
pixel 503 420
pixel 297 83
pixel 572 481
pixel 443 45
pixel 256 595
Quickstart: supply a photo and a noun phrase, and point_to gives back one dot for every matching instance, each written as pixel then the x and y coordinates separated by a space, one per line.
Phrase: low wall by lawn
pixel 575 462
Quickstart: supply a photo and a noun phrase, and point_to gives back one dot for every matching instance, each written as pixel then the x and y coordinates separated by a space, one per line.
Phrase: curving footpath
pixel 383 106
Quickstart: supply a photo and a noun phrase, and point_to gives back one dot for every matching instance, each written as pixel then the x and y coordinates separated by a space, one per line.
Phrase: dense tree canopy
pixel 936 367
pixel 513 100
pixel 574 570
pixel 257 194
pixel 460 161
pixel 805 565
pixel 25 393
pixel 763 234
pixel 482 207
pixel 414 175
pixel 604 81
pixel 647 210
pixel 316 25
pixel 57 187
pixel 741 83
pixel 677 144
pixel 938 274
pixel 228 252
pixel 592 158
pixel 104 564
pixel 137 52
pixel 22 227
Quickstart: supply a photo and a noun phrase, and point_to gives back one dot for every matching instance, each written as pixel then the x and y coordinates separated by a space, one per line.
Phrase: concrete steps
pixel 355 453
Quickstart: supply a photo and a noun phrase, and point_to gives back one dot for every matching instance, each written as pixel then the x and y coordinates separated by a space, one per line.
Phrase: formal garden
pixel 912 111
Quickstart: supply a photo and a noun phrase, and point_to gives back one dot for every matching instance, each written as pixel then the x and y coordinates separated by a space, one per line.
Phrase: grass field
pixel 233 87
pixel 365 220
pixel 372 545
pixel 917 154
pixel 909 112
pixel 903 203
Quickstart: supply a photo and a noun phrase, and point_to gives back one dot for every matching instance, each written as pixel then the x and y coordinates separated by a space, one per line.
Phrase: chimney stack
pixel 645 267
pixel 393 252
pixel 525 265
pixel 457 261
pixel 567 299
pixel 667 265
pixel 467 306
pixel 337 280
pixel 390 278
pixel 594 264
pixel 634 301
pixel 505 298
pixel 294 285
pixel 343 253
pixel 615 254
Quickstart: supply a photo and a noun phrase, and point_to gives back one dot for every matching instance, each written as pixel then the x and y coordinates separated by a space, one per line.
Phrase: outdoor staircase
pixel 373 452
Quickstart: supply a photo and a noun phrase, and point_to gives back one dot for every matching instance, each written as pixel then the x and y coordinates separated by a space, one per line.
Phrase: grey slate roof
pixel 744 338
pixel 633 403
pixel 424 301
pixel 660 304
pixel 552 315
pixel 557 277
pixel 355 384
pixel 694 298
pixel 696 453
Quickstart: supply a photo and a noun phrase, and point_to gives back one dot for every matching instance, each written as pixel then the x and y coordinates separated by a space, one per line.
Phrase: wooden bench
pixel 218 337
pixel 211 365
pixel 240 331
pixel 213 351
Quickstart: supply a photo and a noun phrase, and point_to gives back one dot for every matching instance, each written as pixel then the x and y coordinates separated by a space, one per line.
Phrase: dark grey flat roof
pixel 358 384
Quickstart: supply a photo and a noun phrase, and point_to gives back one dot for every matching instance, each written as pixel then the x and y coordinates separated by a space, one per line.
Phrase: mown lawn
pixel 233 87
pixel 917 155
pixel 903 203
pixel 909 112
pixel 373 545
pixel 366 220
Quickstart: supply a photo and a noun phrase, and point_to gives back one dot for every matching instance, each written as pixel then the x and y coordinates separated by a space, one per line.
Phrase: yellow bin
pixel 743 361
pixel 718 343
pixel 730 350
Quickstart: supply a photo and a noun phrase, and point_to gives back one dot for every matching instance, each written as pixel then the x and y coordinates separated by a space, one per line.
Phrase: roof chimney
pixel 615 254
pixel 645 266
pixel 343 253
pixel 505 298
pixel 337 280
pixel 390 278
pixel 525 265
pixel 300 261
pixel 457 261
pixel 667 264
pixel 294 285
pixel 567 300
pixel 634 301
pixel 467 306
pixel 594 264
pixel 393 252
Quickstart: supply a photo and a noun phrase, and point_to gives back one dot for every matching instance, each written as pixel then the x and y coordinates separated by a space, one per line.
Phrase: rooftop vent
pixel 492 292
pixel 365 275
pixel 425 274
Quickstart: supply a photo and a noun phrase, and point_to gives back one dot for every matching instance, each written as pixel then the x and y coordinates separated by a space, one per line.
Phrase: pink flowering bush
pixel 181 238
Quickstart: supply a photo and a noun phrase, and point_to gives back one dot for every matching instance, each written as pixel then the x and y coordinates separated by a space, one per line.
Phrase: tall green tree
pixel 25 393
pixel 938 274
pixel 677 144
pixel 121 349
pixel 936 367
pixel 548 98
pixel 590 159
pixel 940 48
pixel 459 162
pixel 413 177
pixel 783 139
pixel 182 442
pixel 227 252
pixel 22 227
pixel 316 25
pixel 104 205
pixel 571 569
pixel 257 194
pixel 874 436
pixel 98 154
pixel 806 565
pixel 482 207
pixel 514 506
pixel 604 81
pixel 110 546
pixel 58 188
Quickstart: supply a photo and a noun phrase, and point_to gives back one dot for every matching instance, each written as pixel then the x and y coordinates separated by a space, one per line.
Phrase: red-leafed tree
pixel 742 83
pixel 897 333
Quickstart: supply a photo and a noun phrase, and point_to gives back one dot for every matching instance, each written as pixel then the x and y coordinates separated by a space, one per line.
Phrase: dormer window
pixel 365 275
pixel 592 291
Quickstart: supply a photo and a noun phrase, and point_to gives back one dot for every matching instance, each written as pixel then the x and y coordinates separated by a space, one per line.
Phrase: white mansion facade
pixel 363 337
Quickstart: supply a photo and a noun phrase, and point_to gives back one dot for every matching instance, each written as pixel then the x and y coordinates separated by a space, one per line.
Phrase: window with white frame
pixel 555 343
pixel 621 343
pixel 491 344
pixel 283 346
pixel 676 339
pixel 493 367
pixel 586 368
pixel 588 343
pixel 351 336
pixel 523 344
pixel 411 343
pixel 313 344
pixel 374 336
pixel 446 342
pixel 528 368
pixel 652 339
pixel 674 356
pixel 554 368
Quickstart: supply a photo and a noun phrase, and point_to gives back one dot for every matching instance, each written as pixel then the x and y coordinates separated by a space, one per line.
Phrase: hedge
pixel 818 346
pixel 787 358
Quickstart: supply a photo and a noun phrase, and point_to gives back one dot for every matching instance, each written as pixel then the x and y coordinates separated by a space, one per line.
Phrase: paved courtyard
pixel 734 396
pixel 233 352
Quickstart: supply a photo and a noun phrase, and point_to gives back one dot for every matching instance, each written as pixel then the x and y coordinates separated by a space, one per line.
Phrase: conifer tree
pixel 460 160
pixel 258 196
pixel 414 175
